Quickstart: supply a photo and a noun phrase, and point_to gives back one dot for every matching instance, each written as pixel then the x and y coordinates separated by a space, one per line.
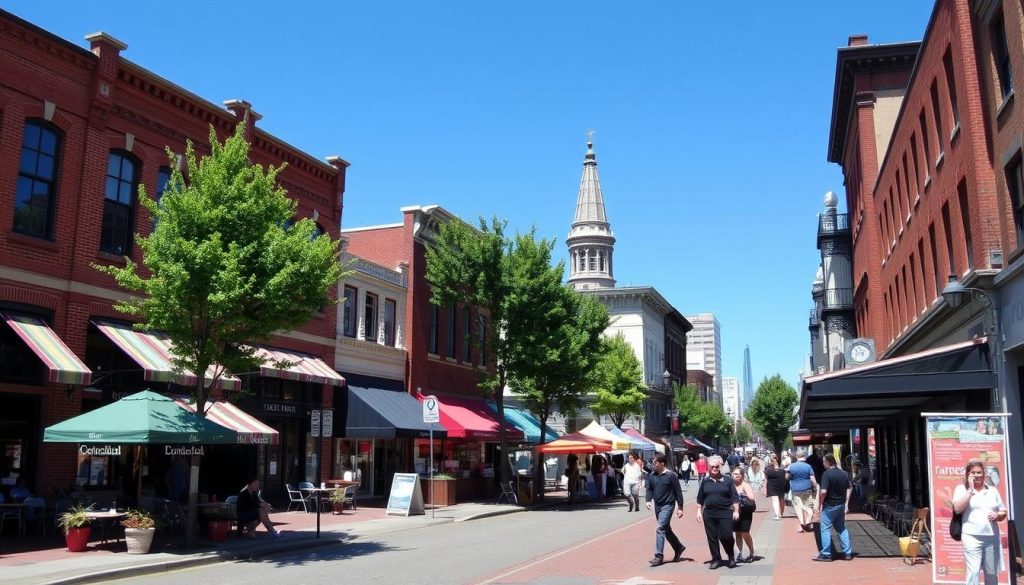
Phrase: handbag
pixel 747 505
pixel 956 526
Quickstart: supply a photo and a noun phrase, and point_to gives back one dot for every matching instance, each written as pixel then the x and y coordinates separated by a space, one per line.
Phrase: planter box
pixel 77 539
pixel 138 540
pixel 444 492
pixel 217 530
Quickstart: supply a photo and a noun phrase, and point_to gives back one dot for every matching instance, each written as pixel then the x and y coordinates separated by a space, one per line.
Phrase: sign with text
pixel 328 422
pixel 953 440
pixel 406 498
pixel 314 423
pixel 431 409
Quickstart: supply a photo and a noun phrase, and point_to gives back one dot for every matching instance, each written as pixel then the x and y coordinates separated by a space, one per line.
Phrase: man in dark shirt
pixel 663 489
pixel 251 510
pixel 718 508
pixel 832 501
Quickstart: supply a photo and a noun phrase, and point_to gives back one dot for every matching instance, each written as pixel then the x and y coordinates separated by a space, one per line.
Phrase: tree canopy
pixel 773 410
pixel 226 265
pixel 618 381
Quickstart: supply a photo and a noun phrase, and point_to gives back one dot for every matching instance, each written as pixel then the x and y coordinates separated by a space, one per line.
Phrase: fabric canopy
pixel 470 418
pixel 634 443
pixel 386 414
pixel 651 444
pixel 576 443
pixel 63 364
pixel 527 423
pixel 142 418
pixel 291 365
pixel 700 444
pixel 598 432
pixel 152 351
pixel 249 429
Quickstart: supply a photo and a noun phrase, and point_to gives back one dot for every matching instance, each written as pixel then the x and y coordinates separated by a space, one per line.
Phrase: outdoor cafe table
pixel 102 517
pixel 20 508
pixel 333 484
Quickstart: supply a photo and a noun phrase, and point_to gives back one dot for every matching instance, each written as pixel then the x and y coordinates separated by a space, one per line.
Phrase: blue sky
pixel 711 123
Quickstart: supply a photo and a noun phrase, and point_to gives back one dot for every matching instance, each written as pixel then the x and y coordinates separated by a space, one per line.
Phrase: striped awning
pixel 152 351
pixel 291 365
pixel 250 430
pixel 64 365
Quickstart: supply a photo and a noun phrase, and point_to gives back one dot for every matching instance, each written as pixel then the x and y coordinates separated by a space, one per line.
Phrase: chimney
pixel 243 112
pixel 108 49
pixel 858 40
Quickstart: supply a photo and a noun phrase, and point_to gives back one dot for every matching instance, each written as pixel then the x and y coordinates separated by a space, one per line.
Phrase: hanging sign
pixel 431 409
pixel 314 423
pixel 328 422
pixel 406 498
pixel 953 440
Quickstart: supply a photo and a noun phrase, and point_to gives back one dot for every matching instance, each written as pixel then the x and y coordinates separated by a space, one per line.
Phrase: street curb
pixel 195 560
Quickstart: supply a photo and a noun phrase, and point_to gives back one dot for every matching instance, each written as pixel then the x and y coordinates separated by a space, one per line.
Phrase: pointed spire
pixel 590 239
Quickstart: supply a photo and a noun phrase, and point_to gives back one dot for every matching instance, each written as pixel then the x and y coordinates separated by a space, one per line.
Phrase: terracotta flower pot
pixel 217 530
pixel 77 538
pixel 338 507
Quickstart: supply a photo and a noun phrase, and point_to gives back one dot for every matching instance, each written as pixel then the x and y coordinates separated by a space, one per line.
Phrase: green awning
pixel 142 418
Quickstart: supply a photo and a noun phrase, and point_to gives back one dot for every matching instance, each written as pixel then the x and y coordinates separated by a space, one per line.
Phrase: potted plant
pixel 219 521
pixel 338 500
pixel 443 490
pixel 139 528
pixel 75 524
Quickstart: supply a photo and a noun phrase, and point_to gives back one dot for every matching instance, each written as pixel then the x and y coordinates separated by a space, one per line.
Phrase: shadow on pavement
pixel 334 552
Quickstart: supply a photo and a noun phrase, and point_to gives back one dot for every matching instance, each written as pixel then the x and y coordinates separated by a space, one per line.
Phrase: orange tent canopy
pixel 576 443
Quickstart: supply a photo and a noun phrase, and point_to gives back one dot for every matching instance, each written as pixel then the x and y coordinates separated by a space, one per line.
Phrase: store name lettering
pixel 253 440
pixel 273 407
pixel 100 450
pixel 168 450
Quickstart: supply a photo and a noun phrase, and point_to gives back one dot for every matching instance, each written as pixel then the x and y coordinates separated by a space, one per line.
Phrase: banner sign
pixel 406 496
pixel 953 440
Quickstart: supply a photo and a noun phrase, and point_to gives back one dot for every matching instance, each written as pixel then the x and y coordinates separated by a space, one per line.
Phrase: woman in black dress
pixel 718 507
pixel 775 486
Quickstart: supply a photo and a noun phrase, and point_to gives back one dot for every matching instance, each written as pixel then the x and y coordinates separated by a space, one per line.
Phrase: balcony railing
pixel 838 298
pixel 833 224
pixel 813 321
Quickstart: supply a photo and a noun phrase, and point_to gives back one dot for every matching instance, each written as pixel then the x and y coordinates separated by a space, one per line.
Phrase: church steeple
pixel 590 238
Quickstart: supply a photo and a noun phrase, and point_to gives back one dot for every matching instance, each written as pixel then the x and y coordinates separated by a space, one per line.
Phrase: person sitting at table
pixel 20 493
pixel 251 511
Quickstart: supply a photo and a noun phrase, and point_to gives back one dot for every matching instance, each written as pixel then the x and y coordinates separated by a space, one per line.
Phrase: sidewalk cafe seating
pixel 297 498
pixel 508 492
pixel 918 536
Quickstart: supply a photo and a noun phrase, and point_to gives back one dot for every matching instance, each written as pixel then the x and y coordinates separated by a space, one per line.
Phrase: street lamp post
pixel 955 294
pixel 672 413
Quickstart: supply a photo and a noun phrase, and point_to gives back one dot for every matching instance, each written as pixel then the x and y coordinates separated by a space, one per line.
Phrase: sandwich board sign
pixel 406 498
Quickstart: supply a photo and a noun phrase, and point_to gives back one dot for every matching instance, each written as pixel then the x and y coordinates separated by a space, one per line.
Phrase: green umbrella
pixel 142 418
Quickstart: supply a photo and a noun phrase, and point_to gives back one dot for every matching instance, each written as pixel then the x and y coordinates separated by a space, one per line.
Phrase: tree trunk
pixel 538 477
pixel 192 522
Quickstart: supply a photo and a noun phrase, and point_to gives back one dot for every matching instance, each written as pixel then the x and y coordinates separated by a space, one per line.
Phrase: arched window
pixel 34 201
pixel 119 203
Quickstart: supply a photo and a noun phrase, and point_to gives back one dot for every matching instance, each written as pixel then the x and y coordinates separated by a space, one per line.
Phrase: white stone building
pixel 706 336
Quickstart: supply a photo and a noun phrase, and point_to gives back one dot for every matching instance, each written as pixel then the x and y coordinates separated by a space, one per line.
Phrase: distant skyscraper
pixel 706 336
pixel 731 397
pixel 748 381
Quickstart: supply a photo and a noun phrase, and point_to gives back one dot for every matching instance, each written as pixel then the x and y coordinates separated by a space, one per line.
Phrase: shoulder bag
pixel 956 526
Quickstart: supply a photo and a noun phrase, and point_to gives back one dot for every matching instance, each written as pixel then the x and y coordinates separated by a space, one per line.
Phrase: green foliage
pixel 773 410
pixel 619 381
pixel 138 519
pixel 688 403
pixel 742 434
pixel 225 267
pixel 709 421
pixel 76 517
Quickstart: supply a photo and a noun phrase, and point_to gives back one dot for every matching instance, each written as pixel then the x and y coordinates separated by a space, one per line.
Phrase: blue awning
pixel 386 414
pixel 525 422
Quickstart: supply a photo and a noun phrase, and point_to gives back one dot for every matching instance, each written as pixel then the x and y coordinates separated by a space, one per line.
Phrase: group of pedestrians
pixel 726 503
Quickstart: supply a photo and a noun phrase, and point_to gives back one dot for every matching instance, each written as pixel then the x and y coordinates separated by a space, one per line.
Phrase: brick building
pixel 925 136
pixel 80 130
pixel 440 360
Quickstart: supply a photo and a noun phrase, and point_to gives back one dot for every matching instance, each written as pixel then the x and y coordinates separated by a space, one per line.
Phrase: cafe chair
pixel 14 514
pixel 508 492
pixel 296 497
pixel 35 513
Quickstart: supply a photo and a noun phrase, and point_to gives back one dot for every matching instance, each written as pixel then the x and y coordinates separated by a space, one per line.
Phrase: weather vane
pixel 590 135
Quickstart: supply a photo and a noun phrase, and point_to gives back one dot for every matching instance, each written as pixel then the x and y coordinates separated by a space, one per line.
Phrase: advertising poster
pixel 953 440
pixel 406 498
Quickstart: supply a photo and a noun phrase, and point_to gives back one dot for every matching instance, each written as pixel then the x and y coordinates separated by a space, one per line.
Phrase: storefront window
pixel 311 459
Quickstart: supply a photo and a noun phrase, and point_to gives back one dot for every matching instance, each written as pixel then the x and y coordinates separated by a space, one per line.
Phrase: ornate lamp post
pixel 955 294
pixel 671 414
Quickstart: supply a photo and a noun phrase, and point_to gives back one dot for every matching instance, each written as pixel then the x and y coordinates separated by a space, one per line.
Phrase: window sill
pixel 927 182
pixel 108 258
pixel 939 160
pixel 954 134
pixel 1007 100
pixel 917 200
pixel 31 241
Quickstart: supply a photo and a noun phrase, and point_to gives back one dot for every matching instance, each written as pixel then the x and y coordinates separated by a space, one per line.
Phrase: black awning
pixel 867 395
pixel 386 414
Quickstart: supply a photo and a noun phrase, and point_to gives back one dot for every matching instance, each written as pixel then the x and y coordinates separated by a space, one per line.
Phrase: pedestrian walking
pixel 983 509
pixel 804 485
pixel 741 527
pixel 702 467
pixel 718 507
pixel 755 476
pixel 664 493
pixel 686 467
pixel 775 486
pixel 833 499
pixel 632 476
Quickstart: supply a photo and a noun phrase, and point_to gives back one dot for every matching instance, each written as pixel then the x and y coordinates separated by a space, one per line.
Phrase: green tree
pixel 742 434
pixel 688 403
pixel 709 422
pixel 224 267
pixel 619 381
pixel 773 410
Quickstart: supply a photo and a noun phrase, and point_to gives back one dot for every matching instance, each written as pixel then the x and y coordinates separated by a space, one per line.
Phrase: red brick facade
pixel 98 101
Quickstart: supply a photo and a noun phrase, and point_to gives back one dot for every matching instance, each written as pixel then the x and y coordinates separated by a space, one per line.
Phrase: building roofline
pixel 43 32
pixel 842 93
pixel 383 226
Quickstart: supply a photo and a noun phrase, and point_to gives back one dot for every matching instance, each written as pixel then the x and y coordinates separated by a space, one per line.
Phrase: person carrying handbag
pixel 982 509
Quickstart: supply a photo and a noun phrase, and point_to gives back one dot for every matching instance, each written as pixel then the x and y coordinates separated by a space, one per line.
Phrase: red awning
pixel 471 418
pixel 250 430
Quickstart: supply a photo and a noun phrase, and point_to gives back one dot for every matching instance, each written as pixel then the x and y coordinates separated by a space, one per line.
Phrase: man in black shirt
pixel 251 510
pixel 832 501
pixel 663 489
pixel 718 508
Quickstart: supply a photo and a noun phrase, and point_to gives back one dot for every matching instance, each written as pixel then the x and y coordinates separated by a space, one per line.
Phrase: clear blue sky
pixel 711 122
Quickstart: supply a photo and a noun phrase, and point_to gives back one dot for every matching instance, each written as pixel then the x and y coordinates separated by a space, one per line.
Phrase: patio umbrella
pixel 143 418
pixel 598 432
pixel 576 443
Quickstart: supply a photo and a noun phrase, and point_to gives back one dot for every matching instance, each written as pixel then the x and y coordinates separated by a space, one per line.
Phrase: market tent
pixel 701 444
pixel 526 422
pixel 576 443
pixel 598 432
pixel 633 433
pixel 634 443
pixel 141 418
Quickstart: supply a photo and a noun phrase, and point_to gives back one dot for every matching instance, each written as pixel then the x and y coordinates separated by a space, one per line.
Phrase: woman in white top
pixel 982 509
pixel 755 476
pixel 632 475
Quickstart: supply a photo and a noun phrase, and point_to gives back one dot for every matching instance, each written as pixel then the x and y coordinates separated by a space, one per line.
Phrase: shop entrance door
pixel 284 460
pixel 388 455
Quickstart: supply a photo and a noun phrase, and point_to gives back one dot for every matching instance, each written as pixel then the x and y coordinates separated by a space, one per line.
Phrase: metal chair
pixel 296 497
pixel 350 491
pixel 508 492
pixel 16 516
